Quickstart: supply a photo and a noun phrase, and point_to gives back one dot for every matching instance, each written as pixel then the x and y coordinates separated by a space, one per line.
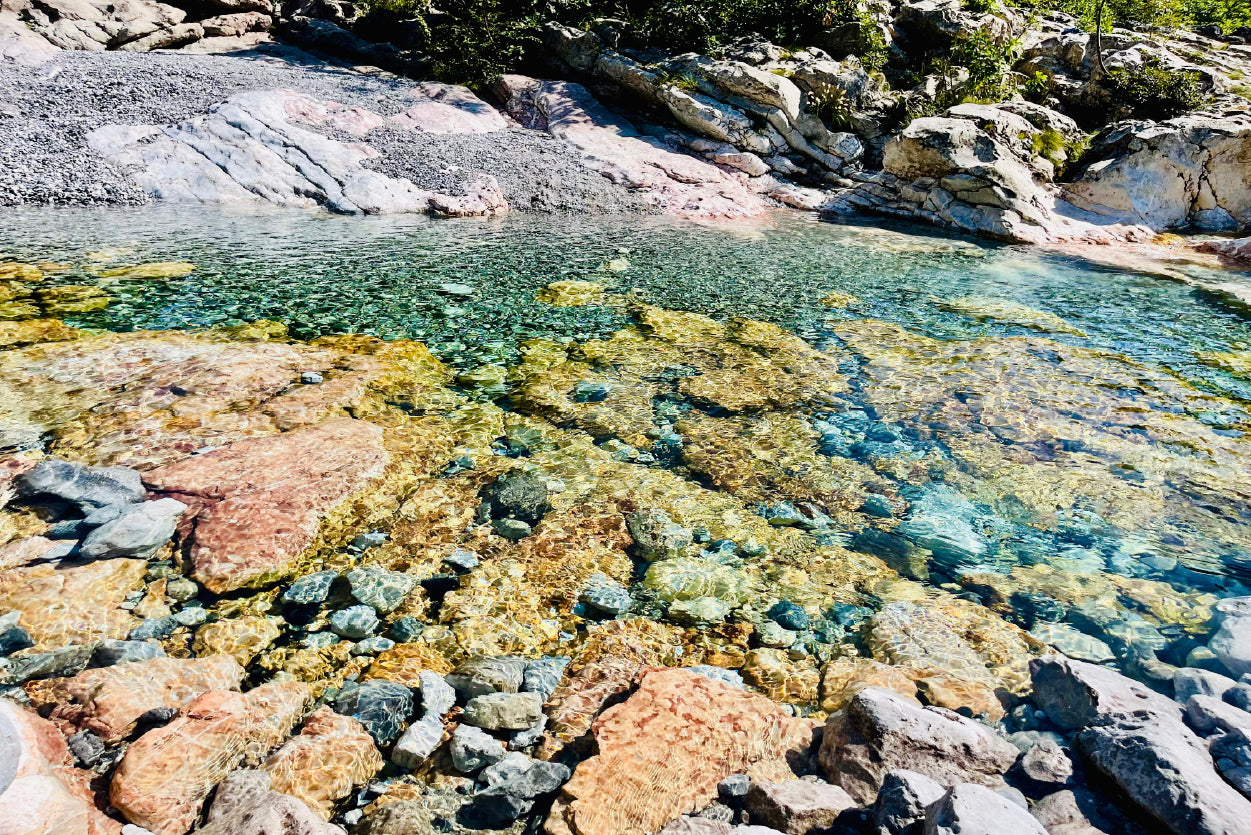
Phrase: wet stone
pixel 191 616
pixel 310 378
pixel 730 677
pixel 700 611
pixel 1189 682
pixel 140 532
pixel 789 616
pixel 383 590
pixel 503 711
pixel 733 787
pixel 319 640
pixel 405 629
pixel 89 488
pixel 12 635
pixel 382 707
pixel 372 539
pixel 311 589
pixel 354 622
pixel 473 749
pixel 86 747
pixel 418 743
pixel 902 800
pixel 588 392
pixel 372 646
pixel 512 529
pixel 506 800
pixel 771 634
pixel 462 562
pixel 542 675
pixel 482 674
pixel 524 740
pixel 109 652
pixel 1073 642
pixel 657 535
pixel 520 495
pixel 605 595
pixel 154 629
pixel 56 663
pixel 181 589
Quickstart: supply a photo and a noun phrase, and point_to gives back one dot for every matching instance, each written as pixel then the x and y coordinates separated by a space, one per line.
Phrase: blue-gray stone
pixel 372 646
pixel 86 747
pixel 56 663
pixel 13 636
pixel 462 562
pixel 157 629
pixel 437 696
pixel 382 707
pixel 311 378
pixel 138 533
pixel 606 595
pixel 941 521
pixel 405 630
pixel 484 674
pixel 519 495
pixel 718 674
pixel 522 740
pixel 109 652
pixel 372 539
pixel 590 392
pixel 504 711
pixel 505 801
pixel 877 505
pixel 191 615
pixel 473 749
pixel 311 588
pixel 419 741
pixel 383 590
pixel 354 622
pixel 734 786
pixel 752 548
pixel 319 640
pixel 89 488
pixel 788 616
pixel 513 529
pixel 784 514
pixel 542 675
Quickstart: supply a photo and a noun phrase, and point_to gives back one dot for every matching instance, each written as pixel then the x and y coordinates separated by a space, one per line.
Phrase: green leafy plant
pixel 988 62
pixel 1037 87
pixel 683 81
pixel 1155 92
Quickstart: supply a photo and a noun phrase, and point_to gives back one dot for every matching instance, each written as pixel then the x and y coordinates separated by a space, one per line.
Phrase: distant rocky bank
pixel 221 113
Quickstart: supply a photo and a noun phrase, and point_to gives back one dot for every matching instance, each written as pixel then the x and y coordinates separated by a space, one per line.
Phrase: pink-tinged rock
pixel 25 551
pixel 449 109
pixel 165 777
pixel 40 791
pixel 1238 250
pixel 675 183
pixel 75 605
pixel 108 700
pixel 354 120
pixel 662 752
pixel 244 805
pixel 330 756
pixel 259 505
pixel 12 466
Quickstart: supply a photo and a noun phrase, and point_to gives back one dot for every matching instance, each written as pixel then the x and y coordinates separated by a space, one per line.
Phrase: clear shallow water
pixel 1084 415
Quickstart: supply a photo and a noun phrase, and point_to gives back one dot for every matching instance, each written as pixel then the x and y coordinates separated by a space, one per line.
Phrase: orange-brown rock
pixel 662 752
pixel 781 679
pixel 844 677
pixel 108 700
pixel 404 663
pixel 240 638
pixel 329 757
pixel 166 775
pixel 24 551
pixel 257 506
pixel 74 605
pixel 41 793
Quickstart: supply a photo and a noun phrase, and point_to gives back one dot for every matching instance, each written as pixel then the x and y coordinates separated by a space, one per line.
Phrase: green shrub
pixel 988 63
pixel 1154 92
pixel 1037 87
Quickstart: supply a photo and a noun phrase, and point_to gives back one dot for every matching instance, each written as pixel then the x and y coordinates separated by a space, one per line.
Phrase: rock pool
pixel 804 457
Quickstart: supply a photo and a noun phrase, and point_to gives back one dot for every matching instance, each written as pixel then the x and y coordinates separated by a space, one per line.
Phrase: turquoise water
pixel 1154 338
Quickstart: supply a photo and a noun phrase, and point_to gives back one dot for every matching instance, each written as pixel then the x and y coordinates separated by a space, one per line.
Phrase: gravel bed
pixel 47 110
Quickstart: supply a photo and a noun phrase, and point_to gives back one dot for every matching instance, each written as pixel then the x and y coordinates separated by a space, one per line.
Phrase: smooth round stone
pixel 700 611
pixel 405 630
pixel 354 622
pixel 513 529
pixel 191 616
pixel 380 589
pixel 771 634
pixel 320 640
pixel 372 646
pixel 182 589
pixel 311 588
pixel 789 616
pixel 606 595
pixel 310 378
pixel 503 711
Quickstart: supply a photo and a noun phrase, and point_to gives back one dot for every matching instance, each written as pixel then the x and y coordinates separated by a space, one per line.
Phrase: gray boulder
pixel 879 732
pixel 796 807
pixel 1231 642
pixel 504 711
pixel 970 809
pixel 473 749
pixel 1191 681
pixel 244 805
pixel 88 488
pixel 138 533
pixel 902 801
pixel 483 674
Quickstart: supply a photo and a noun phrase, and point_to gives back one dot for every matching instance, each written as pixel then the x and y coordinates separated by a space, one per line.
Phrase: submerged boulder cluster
pixel 696 577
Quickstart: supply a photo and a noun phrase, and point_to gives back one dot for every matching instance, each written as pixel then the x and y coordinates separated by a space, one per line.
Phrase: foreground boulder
pixel 880 731
pixel 72 605
pixel 323 763
pixel 165 777
pixel 970 809
pixel 244 805
pixel 258 505
pixel 109 700
pixel 40 792
pixel 662 752
pixel 1138 739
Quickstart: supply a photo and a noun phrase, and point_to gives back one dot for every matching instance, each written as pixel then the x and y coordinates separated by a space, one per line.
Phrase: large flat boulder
pixel 165 777
pixel 662 752
pixel 259 505
pixel 880 731
pixel 72 605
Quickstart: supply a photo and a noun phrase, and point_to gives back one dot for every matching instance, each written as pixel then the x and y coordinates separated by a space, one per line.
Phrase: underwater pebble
pixel 311 588
pixel 354 622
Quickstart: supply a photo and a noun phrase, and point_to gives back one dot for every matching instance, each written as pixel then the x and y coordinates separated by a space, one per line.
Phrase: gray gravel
pixel 47 110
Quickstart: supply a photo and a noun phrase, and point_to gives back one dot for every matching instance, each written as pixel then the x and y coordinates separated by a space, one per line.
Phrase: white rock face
pixel 1167 175
pixel 260 147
